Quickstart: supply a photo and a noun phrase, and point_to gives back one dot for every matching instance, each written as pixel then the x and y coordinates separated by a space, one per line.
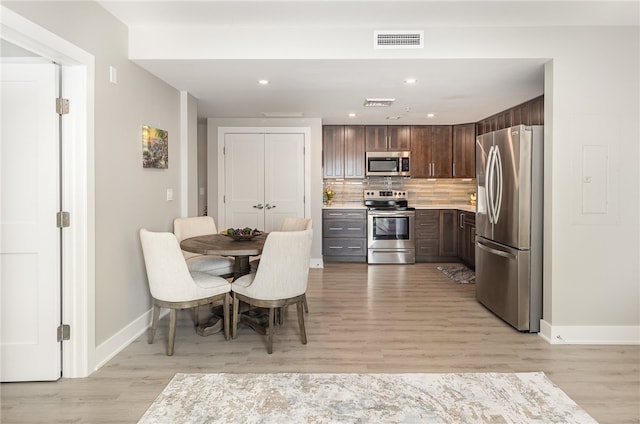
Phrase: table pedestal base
pixel 212 326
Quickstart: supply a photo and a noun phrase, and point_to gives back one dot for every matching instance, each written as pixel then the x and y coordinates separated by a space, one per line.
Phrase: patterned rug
pixel 459 273
pixel 364 398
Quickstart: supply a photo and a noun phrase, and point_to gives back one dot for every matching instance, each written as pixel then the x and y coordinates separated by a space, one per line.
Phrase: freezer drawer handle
pixel 496 252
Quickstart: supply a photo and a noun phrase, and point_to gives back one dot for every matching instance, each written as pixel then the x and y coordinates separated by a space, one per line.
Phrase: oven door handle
pixel 392 213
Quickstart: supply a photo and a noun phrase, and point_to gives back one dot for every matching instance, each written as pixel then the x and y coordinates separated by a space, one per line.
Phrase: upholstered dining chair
pixel 194 226
pixel 281 280
pixel 173 286
pixel 290 223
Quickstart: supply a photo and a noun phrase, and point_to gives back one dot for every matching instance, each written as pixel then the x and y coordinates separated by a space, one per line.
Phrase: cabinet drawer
pixel 427 247
pixel 427 223
pixel 344 228
pixel 344 214
pixel 345 246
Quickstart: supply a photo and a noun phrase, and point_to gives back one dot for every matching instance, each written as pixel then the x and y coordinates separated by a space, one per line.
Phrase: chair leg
pixel 172 331
pixel 154 324
pixel 303 332
pixel 225 315
pixel 236 312
pixel 306 307
pixel 196 316
pixel 270 330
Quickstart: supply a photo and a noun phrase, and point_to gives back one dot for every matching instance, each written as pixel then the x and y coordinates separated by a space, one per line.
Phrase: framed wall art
pixel 155 148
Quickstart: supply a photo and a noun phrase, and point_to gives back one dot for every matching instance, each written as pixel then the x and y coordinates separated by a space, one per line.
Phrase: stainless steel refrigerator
pixel 509 166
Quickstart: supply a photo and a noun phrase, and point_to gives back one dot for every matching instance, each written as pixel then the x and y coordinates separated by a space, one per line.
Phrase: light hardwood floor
pixel 363 319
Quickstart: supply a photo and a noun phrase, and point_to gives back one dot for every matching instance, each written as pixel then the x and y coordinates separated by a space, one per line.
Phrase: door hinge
pixel 62 219
pixel 62 106
pixel 64 332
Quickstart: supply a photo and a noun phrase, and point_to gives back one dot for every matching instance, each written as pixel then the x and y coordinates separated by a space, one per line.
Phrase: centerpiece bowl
pixel 242 234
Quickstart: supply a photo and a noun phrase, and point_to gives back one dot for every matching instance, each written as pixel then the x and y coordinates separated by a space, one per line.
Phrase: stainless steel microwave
pixel 388 164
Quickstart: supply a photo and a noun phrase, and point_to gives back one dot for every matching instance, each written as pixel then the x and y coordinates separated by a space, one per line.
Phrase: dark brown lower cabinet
pixel 436 235
pixel 467 238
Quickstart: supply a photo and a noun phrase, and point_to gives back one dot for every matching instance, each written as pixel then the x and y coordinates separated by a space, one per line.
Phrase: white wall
pixel 127 197
pixel 189 154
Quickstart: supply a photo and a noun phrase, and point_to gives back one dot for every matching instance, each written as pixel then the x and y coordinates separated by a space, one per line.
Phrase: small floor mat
pixel 459 273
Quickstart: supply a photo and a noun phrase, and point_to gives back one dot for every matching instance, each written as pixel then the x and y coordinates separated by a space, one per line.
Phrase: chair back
pixel 167 272
pixel 284 265
pixel 193 226
pixel 296 224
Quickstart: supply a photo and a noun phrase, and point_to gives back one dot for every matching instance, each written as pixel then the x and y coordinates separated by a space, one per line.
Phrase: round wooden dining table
pixel 219 244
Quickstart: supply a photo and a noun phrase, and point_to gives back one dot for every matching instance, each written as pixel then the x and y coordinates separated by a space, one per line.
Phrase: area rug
pixel 364 398
pixel 459 273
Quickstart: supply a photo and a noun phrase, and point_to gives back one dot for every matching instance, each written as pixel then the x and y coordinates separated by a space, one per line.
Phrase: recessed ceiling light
pixel 431 115
pixel 410 81
pixel 263 82
pixel 352 115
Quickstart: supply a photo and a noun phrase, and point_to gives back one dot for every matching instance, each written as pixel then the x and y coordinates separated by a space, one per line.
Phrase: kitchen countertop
pixel 358 205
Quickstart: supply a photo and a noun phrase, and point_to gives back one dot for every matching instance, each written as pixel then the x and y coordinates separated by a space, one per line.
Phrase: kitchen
pixel 376 212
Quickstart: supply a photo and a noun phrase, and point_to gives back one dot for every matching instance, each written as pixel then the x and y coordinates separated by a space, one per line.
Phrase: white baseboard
pixel 597 334
pixel 123 338
pixel 316 263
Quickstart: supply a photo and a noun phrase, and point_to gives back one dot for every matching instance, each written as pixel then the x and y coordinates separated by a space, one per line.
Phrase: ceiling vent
pixel 378 102
pixel 398 39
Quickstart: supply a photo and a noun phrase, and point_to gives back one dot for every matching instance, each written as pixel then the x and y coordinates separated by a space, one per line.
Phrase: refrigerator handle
pixel 498 169
pixel 489 184
pixel 495 251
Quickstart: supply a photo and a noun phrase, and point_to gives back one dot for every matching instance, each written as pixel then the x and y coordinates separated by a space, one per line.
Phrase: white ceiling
pixel 456 91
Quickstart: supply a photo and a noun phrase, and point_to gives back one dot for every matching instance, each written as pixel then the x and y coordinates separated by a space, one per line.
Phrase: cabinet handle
pixel 461 219
pixel 353 229
pixel 258 206
pixel 353 247
pixel 336 228
pixel 335 247
pixel 454 169
pixel 335 214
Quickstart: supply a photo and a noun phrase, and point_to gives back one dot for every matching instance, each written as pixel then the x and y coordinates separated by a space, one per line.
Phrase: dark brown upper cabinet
pixel 388 138
pixel 431 151
pixel 464 151
pixel 343 151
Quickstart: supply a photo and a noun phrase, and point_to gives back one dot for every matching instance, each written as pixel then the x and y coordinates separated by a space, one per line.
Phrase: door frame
pixel 78 251
pixel 264 130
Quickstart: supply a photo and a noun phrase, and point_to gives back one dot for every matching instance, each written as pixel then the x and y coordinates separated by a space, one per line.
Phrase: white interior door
pixel 284 178
pixel 244 176
pixel 30 239
pixel 264 179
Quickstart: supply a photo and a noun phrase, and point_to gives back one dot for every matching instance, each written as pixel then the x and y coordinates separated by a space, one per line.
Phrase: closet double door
pixel 264 179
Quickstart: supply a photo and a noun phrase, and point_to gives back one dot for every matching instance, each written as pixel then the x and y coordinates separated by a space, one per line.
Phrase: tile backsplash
pixel 422 191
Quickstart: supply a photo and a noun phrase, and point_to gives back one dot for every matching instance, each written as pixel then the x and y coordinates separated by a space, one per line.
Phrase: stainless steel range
pixel 390 232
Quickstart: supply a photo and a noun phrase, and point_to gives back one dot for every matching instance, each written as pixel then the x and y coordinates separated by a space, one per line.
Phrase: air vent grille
pixel 378 102
pixel 398 39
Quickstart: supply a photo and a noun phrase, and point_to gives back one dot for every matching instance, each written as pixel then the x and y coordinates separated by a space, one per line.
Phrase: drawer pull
pixel 353 247
pixel 353 229
pixel 335 247
pixel 336 228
